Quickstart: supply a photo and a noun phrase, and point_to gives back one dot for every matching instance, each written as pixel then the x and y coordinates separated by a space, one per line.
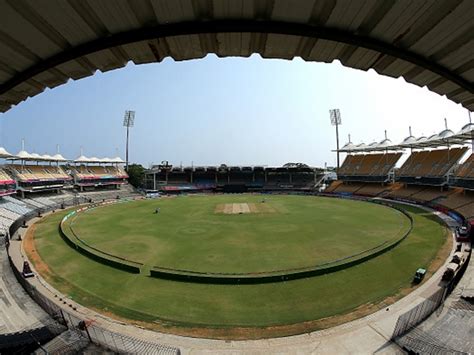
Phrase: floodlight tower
pixel 335 116
pixel 128 121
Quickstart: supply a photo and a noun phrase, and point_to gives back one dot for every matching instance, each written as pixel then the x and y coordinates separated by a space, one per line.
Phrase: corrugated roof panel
pixel 361 58
pixel 398 67
pixel 4 76
pixel 15 60
pixel 117 16
pixel 233 44
pixel 65 20
pixel 104 60
pixel 281 46
pixel 226 9
pixel 459 56
pixel 454 24
pixel 49 79
pixel 348 14
pixel 142 52
pixel 447 87
pixel 25 90
pixel 25 34
pixel 14 96
pixel 75 70
pixel 173 11
pixel 323 51
pixel 185 47
pixel 160 47
pixel 399 20
pixel 461 96
pixel 423 78
pixel 469 74
pixel 284 10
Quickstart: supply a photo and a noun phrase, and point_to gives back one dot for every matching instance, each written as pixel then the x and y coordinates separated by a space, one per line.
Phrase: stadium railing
pixel 95 333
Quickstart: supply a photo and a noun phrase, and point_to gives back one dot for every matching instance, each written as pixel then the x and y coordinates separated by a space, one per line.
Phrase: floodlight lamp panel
pixel 335 116
pixel 129 118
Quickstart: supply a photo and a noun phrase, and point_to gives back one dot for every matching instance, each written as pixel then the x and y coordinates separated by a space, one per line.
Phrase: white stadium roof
pixel 445 138
pixel 83 159
pixel 58 157
pixel 43 44
pixel 22 155
pixel 4 153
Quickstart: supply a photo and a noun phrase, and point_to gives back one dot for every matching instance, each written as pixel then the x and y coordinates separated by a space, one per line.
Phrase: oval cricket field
pixel 239 234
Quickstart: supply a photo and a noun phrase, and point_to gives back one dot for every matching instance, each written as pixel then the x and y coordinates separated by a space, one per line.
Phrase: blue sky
pixel 235 111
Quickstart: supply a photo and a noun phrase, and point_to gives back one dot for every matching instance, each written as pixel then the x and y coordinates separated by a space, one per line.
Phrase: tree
pixel 295 165
pixel 136 175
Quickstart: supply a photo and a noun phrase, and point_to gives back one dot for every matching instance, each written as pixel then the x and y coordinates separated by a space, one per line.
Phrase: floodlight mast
pixel 335 116
pixel 128 121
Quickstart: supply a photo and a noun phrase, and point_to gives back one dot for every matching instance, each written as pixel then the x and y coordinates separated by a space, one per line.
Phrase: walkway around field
pixel 370 334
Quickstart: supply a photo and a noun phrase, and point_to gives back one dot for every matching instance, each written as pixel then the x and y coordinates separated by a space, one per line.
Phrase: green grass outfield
pixel 298 232
pixel 139 297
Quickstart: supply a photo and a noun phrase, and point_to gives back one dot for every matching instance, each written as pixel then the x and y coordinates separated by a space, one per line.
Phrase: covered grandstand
pixel 232 178
pixel 29 173
pixel 89 173
pixel 432 174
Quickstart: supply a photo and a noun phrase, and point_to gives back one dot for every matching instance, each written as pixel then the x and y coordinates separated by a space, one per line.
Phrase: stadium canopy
pixel 95 160
pixel 4 153
pixel 82 159
pixel 22 155
pixel 118 160
pixel 43 44
pixel 445 138
pixel 47 157
pixel 58 157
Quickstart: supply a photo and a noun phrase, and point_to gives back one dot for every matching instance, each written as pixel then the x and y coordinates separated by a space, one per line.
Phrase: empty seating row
pixel 4 176
pixel 466 170
pixel 89 172
pixel 9 214
pixel 405 191
pixel 25 173
pixel 432 163
pixel 369 164
pixel 20 209
pixel 33 203
pixel 457 199
pixel 5 223
pixel 45 201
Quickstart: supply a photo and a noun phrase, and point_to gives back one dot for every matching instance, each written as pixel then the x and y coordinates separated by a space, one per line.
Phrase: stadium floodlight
pixel 335 116
pixel 128 121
